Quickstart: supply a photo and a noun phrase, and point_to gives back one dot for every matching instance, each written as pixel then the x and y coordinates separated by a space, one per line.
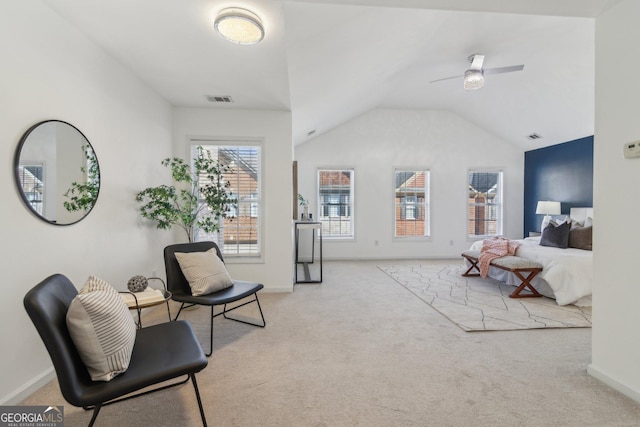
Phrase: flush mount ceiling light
pixel 239 26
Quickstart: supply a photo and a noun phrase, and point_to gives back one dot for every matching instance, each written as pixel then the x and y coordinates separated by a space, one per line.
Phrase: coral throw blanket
pixel 493 248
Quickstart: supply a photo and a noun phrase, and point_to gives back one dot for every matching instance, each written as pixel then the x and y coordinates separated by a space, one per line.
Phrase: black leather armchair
pixel 178 285
pixel 161 352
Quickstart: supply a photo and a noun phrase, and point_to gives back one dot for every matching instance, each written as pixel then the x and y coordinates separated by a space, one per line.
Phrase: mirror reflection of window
pixel 31 177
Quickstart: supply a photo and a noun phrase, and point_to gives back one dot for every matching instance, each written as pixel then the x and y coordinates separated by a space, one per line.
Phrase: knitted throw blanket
pixel 493 248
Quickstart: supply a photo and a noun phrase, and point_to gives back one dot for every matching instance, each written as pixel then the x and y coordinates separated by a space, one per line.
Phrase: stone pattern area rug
pixel 476 304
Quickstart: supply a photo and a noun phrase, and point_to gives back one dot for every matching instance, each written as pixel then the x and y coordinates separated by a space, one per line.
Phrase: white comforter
pixel 567 274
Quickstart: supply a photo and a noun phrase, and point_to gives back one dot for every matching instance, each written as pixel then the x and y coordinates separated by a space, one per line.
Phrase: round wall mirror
pixel 57 172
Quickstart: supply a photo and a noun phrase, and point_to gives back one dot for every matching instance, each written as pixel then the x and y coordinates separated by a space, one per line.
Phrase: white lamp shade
pixel 548 208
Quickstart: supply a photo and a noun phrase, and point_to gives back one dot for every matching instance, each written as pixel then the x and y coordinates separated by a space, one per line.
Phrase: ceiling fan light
pixel 239 26
pixel 473 79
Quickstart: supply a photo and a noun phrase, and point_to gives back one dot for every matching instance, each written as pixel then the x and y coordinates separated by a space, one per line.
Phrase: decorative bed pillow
pixel 204 271
pixel 102 329
pixel 581 238
pixel 557 237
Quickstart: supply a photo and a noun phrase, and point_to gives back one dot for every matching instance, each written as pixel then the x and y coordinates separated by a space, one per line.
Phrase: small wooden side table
pixel 135 303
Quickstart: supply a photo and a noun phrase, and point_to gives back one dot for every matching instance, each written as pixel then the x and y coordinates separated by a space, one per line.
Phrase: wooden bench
pixel 517 265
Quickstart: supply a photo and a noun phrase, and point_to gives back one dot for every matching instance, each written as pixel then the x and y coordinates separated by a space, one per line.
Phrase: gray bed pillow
pixel 581 238
pixel 557 237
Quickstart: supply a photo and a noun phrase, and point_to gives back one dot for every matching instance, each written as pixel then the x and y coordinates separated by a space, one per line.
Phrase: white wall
pixel 274 129
pixel 616 293
pixel 51 71
pixel 381 140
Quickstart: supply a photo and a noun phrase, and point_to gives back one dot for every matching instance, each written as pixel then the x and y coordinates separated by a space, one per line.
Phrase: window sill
pixel 412 239
pixel 234 259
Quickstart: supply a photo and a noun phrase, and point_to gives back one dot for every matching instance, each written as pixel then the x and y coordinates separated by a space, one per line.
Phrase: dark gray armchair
pixel 161 352
pixel 180 290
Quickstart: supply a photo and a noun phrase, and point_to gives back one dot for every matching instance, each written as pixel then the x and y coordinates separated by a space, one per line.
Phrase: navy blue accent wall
pixel 562 173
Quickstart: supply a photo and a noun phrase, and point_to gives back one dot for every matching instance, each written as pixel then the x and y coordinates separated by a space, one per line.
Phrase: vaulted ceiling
pixel 331 61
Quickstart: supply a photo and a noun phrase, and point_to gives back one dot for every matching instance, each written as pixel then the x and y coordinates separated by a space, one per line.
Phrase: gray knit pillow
pixel 204 271
pixel 102 329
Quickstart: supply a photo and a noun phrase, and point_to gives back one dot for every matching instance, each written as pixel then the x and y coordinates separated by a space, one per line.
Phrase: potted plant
pixel 305 205
pixel 199 200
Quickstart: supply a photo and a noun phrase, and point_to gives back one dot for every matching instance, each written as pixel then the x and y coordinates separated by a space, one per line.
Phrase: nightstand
pixel 534 234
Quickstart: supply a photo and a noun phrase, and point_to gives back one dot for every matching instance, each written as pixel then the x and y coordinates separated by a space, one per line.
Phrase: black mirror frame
pixel 16 168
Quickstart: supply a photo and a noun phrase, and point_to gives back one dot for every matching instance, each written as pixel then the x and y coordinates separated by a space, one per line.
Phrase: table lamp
pixel 547 209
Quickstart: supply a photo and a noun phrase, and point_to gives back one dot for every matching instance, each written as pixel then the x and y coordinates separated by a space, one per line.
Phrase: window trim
pixel 499 215
pixel 194 141
pixel 327 236
pixel 427 204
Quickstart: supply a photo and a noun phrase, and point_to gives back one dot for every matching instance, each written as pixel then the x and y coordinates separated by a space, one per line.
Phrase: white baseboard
pixel 29 388
pixel 613 383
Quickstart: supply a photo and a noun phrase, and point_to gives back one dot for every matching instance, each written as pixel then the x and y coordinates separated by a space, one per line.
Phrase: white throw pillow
pixel 102 329
pixel 204 271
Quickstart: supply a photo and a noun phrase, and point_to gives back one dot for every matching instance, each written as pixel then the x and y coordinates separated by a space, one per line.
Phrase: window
pixel 411 203
pixel 484 203
pixel 240 233
pixel 335 195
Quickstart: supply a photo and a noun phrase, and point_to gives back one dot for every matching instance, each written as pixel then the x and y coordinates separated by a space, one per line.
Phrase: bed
pixel 567 274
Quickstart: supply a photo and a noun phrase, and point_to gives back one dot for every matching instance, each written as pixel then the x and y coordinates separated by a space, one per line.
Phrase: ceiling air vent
pixel 225 99
pixel 534 136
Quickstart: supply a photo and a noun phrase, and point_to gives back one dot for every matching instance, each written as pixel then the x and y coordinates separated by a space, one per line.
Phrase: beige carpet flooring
pixel 360 350
pixel 477 304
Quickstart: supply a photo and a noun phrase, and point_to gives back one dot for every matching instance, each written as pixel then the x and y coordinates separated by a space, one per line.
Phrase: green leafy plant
pixel 82 196
pixel 170 206
pixel 302 200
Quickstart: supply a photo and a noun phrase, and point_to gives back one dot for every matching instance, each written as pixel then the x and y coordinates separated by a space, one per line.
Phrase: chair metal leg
pixel 168 310
pixel 96 409
pixel 210 335
pixel 225 311
pixel 224 314
pixel 210 327
pixel 179 311
pixel 195 386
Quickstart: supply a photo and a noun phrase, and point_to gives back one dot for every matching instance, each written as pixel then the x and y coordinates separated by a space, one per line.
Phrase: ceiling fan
pixel 474 76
